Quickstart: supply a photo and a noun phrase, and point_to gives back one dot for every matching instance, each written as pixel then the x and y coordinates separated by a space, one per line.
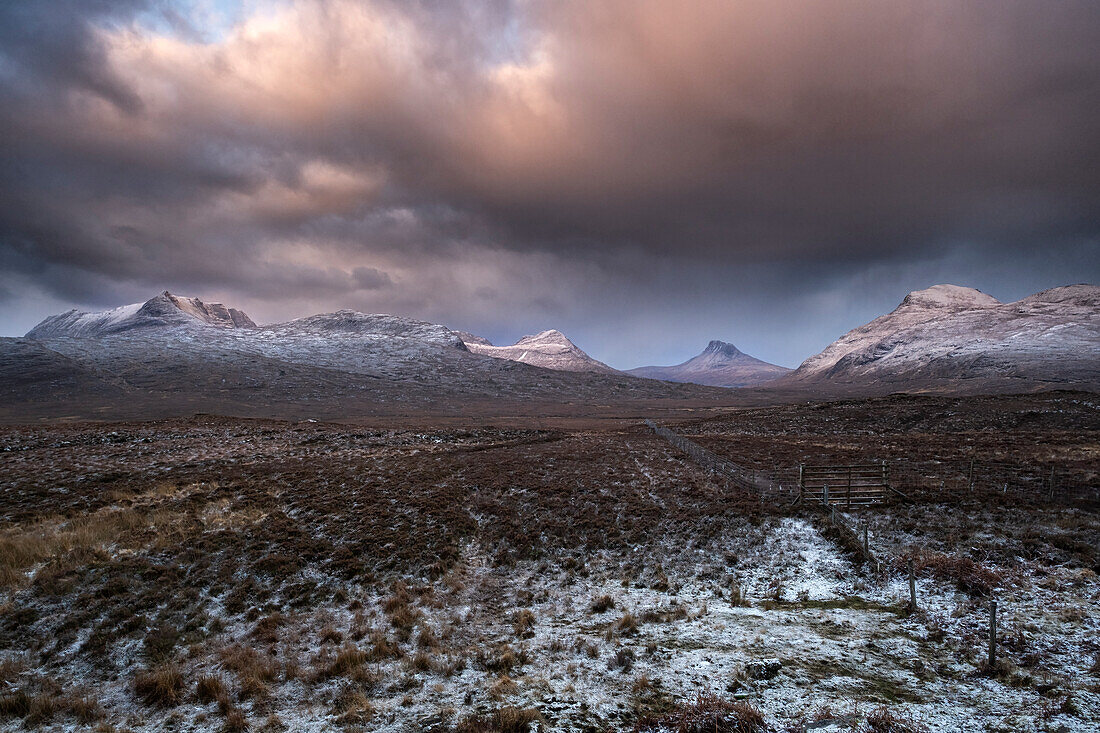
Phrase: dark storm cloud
pixel 601 166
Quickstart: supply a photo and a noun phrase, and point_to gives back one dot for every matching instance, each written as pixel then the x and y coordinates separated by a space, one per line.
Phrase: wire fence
pixel 1067 482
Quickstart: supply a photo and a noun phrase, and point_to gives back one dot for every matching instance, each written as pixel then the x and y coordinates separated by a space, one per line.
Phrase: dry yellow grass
pixel 74 540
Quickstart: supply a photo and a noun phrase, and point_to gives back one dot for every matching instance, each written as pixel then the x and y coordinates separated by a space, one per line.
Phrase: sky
pixel 644 176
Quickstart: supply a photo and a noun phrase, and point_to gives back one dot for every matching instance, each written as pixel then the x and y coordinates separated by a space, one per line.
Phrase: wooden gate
pixel 846 486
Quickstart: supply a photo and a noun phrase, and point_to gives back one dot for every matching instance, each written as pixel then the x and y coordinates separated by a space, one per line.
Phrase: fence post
pixel 912 588
pixel 992 633
pixel 970 480
pixel 825 494
pixel 866 545
pixel 1052 481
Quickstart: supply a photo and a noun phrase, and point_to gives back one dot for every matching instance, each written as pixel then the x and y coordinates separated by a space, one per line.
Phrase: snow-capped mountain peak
pixel 165 309
pixel 550 349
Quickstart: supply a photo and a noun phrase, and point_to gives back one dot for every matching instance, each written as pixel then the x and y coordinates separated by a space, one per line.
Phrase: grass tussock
pixel 505 720
pixel 623 660
pixel 382 647
pixel 627 625
pixel 347 661
pixel 212 688
pixel 352 707
pixel 967 575
pixel 161 686
pixel 235 721
pixel 706 714
pixel 266 630
pixel 601 603
pixel 254 670
pixel 502 659
pixel 524 624
pixel 883 720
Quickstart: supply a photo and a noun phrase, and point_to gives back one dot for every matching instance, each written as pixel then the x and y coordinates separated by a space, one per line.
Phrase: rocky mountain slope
pixel 719 365
pixel 178 356
pixel 960 339
pixel 549 349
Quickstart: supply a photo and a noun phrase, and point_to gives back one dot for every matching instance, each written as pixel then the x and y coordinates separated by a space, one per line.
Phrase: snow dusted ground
pixel 836 639
pixel 716 594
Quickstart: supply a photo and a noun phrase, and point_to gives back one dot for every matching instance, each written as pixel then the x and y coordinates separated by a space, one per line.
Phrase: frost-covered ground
pixel 220 574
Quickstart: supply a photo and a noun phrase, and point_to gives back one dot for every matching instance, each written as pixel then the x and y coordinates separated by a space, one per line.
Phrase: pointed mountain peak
pixel 550 349
pixel 722 348
pixel 721 364
pixel 550 336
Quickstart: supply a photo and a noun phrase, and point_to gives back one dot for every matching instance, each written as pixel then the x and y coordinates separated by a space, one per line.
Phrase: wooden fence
pixel 849 486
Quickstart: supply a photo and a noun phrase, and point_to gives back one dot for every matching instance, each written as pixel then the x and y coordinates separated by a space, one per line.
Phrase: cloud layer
pixel 615 169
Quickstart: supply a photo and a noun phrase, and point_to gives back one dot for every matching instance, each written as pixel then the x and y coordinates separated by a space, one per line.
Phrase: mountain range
pixel 175 355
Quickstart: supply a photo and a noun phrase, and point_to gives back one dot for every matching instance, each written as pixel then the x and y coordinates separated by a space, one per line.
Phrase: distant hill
pixel 719 365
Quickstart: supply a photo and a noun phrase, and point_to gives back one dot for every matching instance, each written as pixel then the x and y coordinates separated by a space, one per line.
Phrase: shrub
pixel 161 686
